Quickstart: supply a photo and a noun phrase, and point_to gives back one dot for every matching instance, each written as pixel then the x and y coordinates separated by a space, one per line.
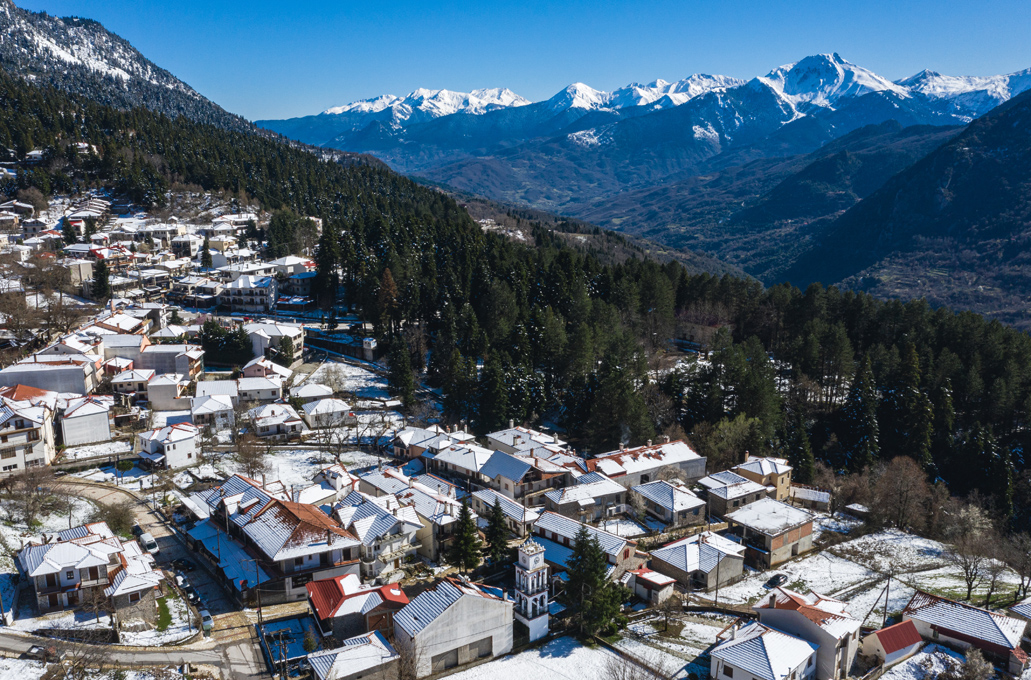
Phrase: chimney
pixel 511 423
pixel 622 446
pixel 665 439
pixel 733 632
pixel 649 442
pixel 111 304
pixel 773 600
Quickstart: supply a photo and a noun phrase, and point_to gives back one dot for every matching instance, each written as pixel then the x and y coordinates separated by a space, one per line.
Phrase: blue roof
pixel 501 464
pixel 427 607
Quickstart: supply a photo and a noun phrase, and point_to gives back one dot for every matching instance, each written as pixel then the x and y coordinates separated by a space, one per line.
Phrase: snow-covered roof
pixel 273 414
pixel 770 517
pixel 501 464
pixel 321 406
pixel 763 652
pixel 218 403
pixel 464 456
pixel 431 604
pixel 643 458
pixel 729 485
pixel 311 391
pixel 669 496
pixel 826 612
pixel 136 375
pixel 86 406
pixel 167 379
pixel 584 493
pixel 369 521
pixel 208 388
pixel 701 552
pixel 513 509
pixel 259 383
pixel 565 527
pixel 808 493
pixel 765 466
pixel 171 433
pixel 973 622
pixel 353 657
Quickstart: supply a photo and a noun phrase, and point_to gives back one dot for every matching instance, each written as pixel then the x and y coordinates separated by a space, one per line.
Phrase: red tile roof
pixel 899 636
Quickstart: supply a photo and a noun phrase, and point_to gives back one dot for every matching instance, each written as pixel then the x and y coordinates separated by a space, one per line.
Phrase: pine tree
pixel 327 260
pixel 910 416
pixel 493 395
pixel 800 453
pixel 618 412
pixel 496 533
pixel 101 288
pixel 400 375
pixel 386 299
pixel 70 233
pixel 862 434
pixel 464 550
pixel 595 600
pixel 205 254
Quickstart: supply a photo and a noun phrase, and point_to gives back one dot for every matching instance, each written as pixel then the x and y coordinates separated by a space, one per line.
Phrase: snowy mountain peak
pixel 824 79
pixel 578 96
pixel 434 103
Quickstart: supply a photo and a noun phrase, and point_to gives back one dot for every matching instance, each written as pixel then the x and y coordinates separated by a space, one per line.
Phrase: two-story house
pixel 344 607
pixel 557 535
pixel 772 532
pixel 170 447
pixel 773 473
pixel 387 530
pixel 591 499
pixel 26 435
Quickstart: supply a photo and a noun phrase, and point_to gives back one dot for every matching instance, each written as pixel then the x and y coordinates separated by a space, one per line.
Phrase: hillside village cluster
pixel 361 543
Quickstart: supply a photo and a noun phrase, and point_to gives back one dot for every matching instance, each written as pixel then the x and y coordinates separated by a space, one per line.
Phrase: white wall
pixel 87 429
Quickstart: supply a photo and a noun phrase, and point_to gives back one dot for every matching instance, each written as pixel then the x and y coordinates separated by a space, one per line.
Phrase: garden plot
pixel 93 450
pixel 825 573
pixel 893 550
pixel 861 603
pixel 839 524
pixel 172 627
pixel 948 582
pixel 622 526
pixel 136 479
pixel 67 620
pixel 560 659
pixel 15 532
pixel 297 467
pixel 684 652
pixel 21 669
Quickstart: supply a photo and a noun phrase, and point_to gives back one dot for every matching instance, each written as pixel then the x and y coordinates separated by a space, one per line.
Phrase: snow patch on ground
pixel 561 659
pixel 892 549
pixel 92 450
pixel 933 661
pixel 21 669
pixel 177 631
pixel 622 526
pixel 349 379
pixel 825 573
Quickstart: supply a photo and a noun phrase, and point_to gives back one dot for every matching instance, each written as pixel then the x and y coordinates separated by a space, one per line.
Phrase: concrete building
pixel 820 620
pixel 459 461
pixel 772 531
pixel 276 420
pixel 133 383
pixel 728 491
pixel 671 503
pixel 217 411
pixel 593 498
pixel 752 651
pixel 168 392
pixel 640 465
pixel 557 535
pixel 170 447
pixel 267 338
pixel 388 532
pixel 651 586
pixel 75 373
pixel 774 473
pixel 261 367
pixel 524 479
pixel 26 434
pixel 86 420
pixel 252 390
pixel 412 442
pixel 368 657
pixel 250 294
pixel 310 391
pixel 519 518
pixel 455 624
pixel 522 441
pixel 328 413
pixel 704 561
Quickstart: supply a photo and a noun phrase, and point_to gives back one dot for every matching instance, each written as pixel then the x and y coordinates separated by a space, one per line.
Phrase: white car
pixel 206 622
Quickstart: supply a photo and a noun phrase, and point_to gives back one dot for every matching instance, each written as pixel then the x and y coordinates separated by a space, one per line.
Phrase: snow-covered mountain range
pixel 81 56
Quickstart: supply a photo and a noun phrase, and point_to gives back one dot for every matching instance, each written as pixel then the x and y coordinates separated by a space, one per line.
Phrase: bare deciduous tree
pixel 251 456
pixel 620 667
pixel 902 494
pixel 30 494
pixel 671 606
pixel 969 554
pixel 409 657
pixel 1018 556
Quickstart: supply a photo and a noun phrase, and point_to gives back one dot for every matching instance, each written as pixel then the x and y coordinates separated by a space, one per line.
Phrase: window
pixel 810 663
pixel 3 438
pixel 298 561
pixel 134 597
pixel 70 575
pixel 728 671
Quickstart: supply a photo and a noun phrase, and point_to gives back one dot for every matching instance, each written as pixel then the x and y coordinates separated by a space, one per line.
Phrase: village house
pixel 519 518
pixel 273 542
pixel 672 504
pixel 88 563
pixel 962 626
pixel 75 373
pixel 728 491
pixel 276 420
pixel 250 294
pixel 640 465
pixel 134 383
pixel 328 413
pixel 260 367
pixel 456 623
pixel 368 657
pixel 170 447
pixel 591 499
pixel 773 473
pixel 772 531
pixel 259 389
pixel 387 530
pixel 216 411
pixel 26 434
pixel 220 388
pixel 310 391
pixel 820 620
pixel 344 607
pixel 524 479
pixel 523 441
pixel 86 420
pixel 458 461
pixel 704 561
pixel 270 337
pixel 752 651
pixel 412 442
pixel 557 534
pixel 167 392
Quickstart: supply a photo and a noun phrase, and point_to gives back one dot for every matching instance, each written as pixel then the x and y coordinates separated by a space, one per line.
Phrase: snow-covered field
pixel 91 450
pixel 838 524
pixel 622 526
pixel 561 659
pixel 296 467
pixel 136 479
pixel 70 620
pixel 825 573
pixel 15 533
pixel 350 379
pixel 679 655
pixel 892 549
pixel 869 602
pixel 21 669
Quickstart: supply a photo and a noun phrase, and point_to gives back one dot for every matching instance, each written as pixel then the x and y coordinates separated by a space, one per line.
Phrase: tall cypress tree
pixel 464 550
pixel 327 260
pixel 496 533
pixel 594 598
pixel 101 288
pixel 205 254
pixel 860 414
pixel 493 395
pixel 400 375
pixel 69 233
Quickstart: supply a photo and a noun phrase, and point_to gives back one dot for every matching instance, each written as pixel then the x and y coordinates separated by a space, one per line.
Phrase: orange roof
pixel 899 636
pixel 22 392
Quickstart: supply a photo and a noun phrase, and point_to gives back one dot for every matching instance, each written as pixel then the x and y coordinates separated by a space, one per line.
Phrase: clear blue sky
pixel 266 59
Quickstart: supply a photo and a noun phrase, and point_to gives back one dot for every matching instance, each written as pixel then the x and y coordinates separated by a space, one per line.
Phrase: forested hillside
pixel 544 333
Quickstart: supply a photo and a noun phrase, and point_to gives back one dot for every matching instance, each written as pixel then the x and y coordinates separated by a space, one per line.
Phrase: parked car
pixel 137 530
pixel 183 564
pixel 777 580
pixel 206 622
pixel 183 582
pixel 192 596
pixel 149 544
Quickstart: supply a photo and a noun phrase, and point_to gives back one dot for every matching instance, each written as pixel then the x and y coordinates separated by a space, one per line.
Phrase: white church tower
pixel 531 588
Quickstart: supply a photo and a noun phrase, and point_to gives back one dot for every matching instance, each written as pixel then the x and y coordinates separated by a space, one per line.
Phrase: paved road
pixel 232 645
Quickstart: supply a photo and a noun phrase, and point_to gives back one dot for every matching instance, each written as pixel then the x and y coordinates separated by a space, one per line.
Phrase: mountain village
pixel 161 502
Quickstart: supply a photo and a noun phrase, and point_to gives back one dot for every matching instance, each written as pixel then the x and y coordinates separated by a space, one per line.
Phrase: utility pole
pixel 887 587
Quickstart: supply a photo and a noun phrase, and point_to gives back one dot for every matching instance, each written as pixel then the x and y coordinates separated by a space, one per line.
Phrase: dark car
pixel 192 596
pixel 183 564
pixel 137 530
pixel 777 580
